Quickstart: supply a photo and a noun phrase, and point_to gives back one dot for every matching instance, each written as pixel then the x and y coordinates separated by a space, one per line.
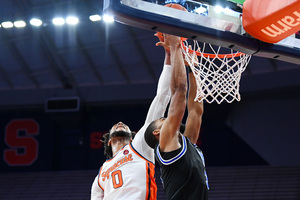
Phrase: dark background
pixel 70 140
pixel 113 70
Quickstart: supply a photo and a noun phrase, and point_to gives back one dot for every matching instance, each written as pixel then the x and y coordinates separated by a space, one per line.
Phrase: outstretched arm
pixel 195 112
pixel 157 107
pixel 163 93
pixel 162 98
pixel 168 134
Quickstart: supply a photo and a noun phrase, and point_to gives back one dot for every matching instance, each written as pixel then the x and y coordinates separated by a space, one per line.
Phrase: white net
pixel 217 73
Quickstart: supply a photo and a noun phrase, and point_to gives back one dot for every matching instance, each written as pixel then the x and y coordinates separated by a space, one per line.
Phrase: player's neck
pixel 118 145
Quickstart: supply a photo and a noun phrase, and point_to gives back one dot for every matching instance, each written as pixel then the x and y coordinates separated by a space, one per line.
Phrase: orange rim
pixel 209 55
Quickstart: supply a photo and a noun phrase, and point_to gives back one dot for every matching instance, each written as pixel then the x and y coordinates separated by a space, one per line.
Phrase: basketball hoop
pixel 217 71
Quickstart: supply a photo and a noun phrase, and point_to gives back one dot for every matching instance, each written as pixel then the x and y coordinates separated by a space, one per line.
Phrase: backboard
pixel 204 22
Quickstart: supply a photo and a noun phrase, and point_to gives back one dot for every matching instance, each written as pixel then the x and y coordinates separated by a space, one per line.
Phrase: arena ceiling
pixel 96 61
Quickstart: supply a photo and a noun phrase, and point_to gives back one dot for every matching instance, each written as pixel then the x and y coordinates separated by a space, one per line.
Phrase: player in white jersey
pixel 129 171
pixel 128 175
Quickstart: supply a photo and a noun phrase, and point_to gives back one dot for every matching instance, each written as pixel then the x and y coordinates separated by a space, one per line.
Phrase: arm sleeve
pixel 156 110
pixel 96 192
pixel 162 98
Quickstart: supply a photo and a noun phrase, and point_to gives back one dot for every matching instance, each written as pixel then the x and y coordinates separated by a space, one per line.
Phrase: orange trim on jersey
pixel 151 184
pixel 151 187
pixel 108 160
pixel 137 153
pixel 99 175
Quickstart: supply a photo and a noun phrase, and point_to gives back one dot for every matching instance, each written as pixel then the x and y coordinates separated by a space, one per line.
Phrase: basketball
pixel 176 6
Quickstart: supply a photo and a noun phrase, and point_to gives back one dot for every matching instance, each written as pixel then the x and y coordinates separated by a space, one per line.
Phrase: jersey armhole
pixel 175 158
pixel 138 154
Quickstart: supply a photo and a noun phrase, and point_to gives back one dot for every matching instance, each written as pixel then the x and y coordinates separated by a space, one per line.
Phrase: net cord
pixel 217 75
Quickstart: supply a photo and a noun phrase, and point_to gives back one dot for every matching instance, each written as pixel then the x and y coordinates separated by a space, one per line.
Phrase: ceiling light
pixel 7 24
pixel 72 20
pixel 19 24
pixel 231 12
pixel 219 9
pixel 228 11
pixel 58 21
pixel 200 10
pixel 94 18
pixel 108 18
pixel 36 22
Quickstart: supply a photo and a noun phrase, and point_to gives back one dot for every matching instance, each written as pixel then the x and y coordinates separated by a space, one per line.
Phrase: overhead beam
pixel 111 49
pixel 56 65
pixel 142 52
pixel 4 76
pixel 88 59
pixel 19 58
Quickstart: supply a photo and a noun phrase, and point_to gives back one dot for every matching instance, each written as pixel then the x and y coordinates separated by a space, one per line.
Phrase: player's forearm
pixel 167 60
pixel 163 95
pixel 178 84
pixel 178 80
pixel 163 86
pixel 195 111
pixel 192 104
pixel 169 135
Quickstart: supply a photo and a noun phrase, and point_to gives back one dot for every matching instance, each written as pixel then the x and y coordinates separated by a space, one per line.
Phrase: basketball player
pixel 181 162
pixel 129 171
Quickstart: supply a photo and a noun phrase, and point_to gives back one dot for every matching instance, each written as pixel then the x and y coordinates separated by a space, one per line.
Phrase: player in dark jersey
pixel 181 161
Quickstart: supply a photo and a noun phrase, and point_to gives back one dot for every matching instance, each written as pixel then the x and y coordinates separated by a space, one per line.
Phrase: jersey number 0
pixel 117 179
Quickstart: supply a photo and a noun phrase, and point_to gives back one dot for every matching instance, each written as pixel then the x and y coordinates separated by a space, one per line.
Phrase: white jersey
pixel 128 175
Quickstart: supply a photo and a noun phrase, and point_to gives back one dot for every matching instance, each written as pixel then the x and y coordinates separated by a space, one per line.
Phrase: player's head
pixel 152 132
pixel 119 131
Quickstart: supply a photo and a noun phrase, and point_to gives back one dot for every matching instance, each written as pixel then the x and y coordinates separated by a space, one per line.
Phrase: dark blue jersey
pixel 183 172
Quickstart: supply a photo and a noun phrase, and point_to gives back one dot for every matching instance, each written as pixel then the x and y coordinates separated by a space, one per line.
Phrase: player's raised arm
pixel 163 92
pixel 158 105
pixel 168 135
pixel 195 111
